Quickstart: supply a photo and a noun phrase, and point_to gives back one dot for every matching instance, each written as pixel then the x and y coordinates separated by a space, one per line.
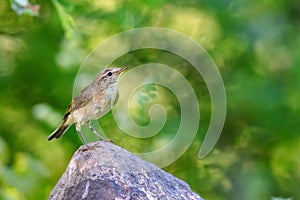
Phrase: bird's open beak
pixel 121 70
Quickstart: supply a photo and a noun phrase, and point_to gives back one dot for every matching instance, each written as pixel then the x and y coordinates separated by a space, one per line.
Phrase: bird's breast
pixel 98 105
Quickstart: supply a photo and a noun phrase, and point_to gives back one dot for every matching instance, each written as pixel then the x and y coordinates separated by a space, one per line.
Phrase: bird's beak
pixel 121 70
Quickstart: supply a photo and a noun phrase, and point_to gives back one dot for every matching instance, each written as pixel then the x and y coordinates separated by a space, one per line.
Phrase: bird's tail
pixel 61 129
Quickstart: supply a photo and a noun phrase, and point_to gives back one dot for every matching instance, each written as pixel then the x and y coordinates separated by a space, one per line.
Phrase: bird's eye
pixel 109 73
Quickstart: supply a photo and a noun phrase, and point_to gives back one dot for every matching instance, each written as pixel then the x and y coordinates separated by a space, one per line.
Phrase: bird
pixel 93 102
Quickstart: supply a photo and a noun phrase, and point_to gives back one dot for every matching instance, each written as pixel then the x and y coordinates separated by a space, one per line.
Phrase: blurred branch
pixel 66 20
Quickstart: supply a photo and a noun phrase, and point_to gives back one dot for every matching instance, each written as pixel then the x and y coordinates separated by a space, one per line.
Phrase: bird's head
pixel 110 75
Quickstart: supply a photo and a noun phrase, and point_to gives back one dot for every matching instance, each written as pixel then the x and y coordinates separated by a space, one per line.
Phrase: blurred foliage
pixel 24 7
pixel 255 45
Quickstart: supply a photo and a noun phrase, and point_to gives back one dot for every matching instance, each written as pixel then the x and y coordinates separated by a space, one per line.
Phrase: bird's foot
pixel 111 141
pixel 88 147
pixel 104 140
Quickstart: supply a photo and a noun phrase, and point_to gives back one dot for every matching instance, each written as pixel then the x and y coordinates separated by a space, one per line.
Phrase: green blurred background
pixel 255 45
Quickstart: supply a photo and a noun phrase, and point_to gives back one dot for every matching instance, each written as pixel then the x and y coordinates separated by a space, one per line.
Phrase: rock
pixel 110 172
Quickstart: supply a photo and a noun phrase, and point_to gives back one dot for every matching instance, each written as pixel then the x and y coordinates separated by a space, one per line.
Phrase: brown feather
pixel 59 131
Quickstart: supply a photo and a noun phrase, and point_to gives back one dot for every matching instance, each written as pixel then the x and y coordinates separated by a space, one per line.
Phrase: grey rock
pixel 110 172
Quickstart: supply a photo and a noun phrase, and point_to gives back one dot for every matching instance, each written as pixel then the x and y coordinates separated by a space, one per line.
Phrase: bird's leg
pixel 94 131
pixel 78 129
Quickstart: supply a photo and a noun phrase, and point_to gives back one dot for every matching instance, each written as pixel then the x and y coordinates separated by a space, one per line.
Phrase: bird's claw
pixel 88 147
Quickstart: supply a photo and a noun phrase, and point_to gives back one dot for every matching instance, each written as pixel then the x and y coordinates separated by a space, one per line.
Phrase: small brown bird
pixel 91 103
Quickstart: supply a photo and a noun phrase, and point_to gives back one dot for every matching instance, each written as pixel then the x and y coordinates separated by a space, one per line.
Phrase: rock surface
pixel 110 172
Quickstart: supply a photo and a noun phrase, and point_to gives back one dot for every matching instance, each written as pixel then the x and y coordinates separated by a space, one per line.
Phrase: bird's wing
pixel 83 98
pixel 69 109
